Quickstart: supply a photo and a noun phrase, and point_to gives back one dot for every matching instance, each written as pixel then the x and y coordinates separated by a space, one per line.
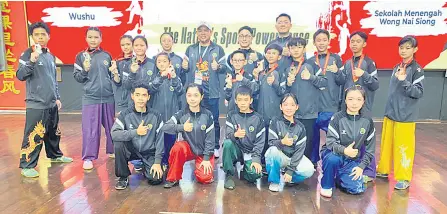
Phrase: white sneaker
pixel 111 155
pixel 326 192
pixel 88 164
pixel 216 153
pixel 274 187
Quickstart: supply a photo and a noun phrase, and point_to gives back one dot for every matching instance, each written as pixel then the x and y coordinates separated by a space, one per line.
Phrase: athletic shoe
pixel 111 155
pixel 326 192
pixel 30 173
pixel 402 185
pixel 380 175
pixel 216 153
pixel 170 184
pixel 274 187
pixel 62 159
pixel 229 183
pixel 122 183
pixel 88 164
pixel 367 179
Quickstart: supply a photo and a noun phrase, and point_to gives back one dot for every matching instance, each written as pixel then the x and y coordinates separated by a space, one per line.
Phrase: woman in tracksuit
pixel 196 125
pixel 166 88
pixel 141 67
pixel 91 68
pixel 287 141
pixel 348 131
pixel 398 132
pixel 304 81
pixel 122 96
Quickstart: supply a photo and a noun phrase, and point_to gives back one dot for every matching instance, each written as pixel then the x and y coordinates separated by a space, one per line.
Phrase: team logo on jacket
pixel 214 55
pixel 150 72
pixel 106 63
pixel 177 65
pixel 295 137
pixel 203 127
pixel 251 129
pixel 130 126
pixel 149 126
pixel 171 88
pixel 362 130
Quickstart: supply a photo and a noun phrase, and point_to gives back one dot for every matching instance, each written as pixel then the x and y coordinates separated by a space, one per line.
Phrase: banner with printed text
pixel 385 22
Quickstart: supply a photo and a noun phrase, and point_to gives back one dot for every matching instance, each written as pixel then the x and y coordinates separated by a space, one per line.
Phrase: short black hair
pixel 246 28
pixel 275 47
pixel 140 37
pixel 362 34
pixel 94 29
pixel 140 84
pixel 284 15
pixel 287 95
pixel 194 85
pixel 125 36
pixel 238 52
pixel 409 39
pixel 162 54
pixel 244 90
pixel 167 33
pixel 297 41
pixel 36 25
pixel 322 31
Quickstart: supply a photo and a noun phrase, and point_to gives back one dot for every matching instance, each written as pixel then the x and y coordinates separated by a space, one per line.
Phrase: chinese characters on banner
pixel 12 91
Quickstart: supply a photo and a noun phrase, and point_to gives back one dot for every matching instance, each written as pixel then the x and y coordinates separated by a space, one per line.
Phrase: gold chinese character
pixel 7 37
pixel 7 24
pixel 5 7
pixel 9 73
pixel 9 86
pixel 10 56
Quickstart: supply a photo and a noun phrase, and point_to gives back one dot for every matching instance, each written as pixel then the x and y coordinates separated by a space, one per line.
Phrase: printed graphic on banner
pixel 2 49
pixel 385 22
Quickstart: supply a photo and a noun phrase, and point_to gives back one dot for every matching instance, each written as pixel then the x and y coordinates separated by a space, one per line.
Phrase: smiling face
pixel 193 97
pixel 245 38
pixel 204 34
pixel 321 42
pixel 357 44
pixel 283 25
pixel 166 42
pixel 289 107
pixel 354 101
pixel 163 62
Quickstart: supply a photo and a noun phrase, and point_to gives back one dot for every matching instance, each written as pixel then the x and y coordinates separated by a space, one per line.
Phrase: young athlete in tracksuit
pixel 137 135
pixel 91 68
pixel 287 141
pixel 272 86
pixel 253 58
pixel 166 89
pixel 245 139
pixel 141 67
pixel 237 78
pixel 196 125
pixel 398 132
pixel 304 80
pixel 349 130
pixel 122 95
pixel 329 97
pixel 361 70
pixel 203 63
pixel 37 67
pixel 166 42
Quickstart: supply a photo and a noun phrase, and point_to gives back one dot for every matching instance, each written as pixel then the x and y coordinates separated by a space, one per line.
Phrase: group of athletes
pixel 161 112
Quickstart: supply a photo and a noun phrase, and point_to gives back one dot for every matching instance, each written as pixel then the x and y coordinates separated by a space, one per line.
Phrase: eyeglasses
pixel 248 36
pixel 238 60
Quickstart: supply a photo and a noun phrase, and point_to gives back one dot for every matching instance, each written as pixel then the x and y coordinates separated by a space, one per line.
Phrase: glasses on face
pixel 238 60
pixel 248 36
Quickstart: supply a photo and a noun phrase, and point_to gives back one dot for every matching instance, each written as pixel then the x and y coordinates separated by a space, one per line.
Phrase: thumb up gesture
pixel 188 126
pixel 185 63
pixel 214 64
pixel 240 133
pixel 350 151
pixel 287 140
pixel 271 79
pixel 305 75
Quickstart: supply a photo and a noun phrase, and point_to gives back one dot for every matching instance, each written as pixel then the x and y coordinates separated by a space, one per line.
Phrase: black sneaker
pixel 229 182
pixel 170 184
pixel 122 183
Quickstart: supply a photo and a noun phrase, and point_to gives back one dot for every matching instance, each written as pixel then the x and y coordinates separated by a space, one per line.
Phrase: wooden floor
pixel 66 188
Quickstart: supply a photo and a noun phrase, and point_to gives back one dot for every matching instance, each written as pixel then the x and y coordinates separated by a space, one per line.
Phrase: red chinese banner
pixel 12 91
